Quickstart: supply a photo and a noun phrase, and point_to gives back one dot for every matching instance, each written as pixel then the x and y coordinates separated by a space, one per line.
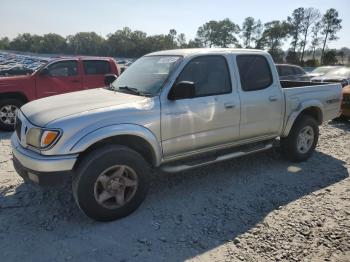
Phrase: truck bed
pixel 326 95
pixel 290 84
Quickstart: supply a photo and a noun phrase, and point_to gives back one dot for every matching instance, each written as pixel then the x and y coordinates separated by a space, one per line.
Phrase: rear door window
pixel 254 72
pixel 96 67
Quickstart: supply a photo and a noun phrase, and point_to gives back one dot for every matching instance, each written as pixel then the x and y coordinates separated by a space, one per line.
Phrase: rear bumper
pixel 38 166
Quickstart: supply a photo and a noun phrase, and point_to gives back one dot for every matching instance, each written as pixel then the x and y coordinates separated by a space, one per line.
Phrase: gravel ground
pixel 256 208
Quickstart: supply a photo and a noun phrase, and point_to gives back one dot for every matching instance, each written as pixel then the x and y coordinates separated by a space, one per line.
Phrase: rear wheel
pixel 301 142
pixel 8 110
pixel 111 183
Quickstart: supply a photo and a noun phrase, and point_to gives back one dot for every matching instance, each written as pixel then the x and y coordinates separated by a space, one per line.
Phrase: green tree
pixel 52 44
pixel 295 22
pixel 4 43
pixel 172 36
pixel 315 40
pixel 330 57
pixel 86 43
pixel 22 42
pixel 218 33
pixel 292 57
pixel 311 16
pixel 251 31
pixel 274 34
pixel 341 55
pixel 195 43
pixel 181 41
pixel 331 24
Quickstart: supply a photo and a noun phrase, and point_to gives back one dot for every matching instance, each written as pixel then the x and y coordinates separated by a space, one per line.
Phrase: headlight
pixel 41 138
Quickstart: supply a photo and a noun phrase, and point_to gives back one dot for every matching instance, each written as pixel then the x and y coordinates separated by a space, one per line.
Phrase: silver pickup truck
pixel 174 110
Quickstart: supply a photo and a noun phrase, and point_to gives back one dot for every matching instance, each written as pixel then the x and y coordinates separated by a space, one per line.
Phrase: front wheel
pixel 111 183
pixel 8 110
pixel 299 145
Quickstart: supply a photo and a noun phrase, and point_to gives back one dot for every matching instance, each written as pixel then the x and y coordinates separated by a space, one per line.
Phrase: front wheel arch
pixel 135 143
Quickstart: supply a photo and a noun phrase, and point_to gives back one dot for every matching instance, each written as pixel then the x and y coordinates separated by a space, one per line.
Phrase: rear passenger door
pixel 261 98
pixel 94 73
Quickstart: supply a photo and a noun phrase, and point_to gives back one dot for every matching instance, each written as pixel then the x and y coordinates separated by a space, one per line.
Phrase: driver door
pixel 211 118
pixel 61 77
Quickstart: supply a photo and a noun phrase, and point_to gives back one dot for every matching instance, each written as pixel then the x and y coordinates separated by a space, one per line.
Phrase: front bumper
pixel 40 166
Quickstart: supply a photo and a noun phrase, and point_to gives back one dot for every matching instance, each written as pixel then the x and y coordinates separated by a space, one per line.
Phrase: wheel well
pixel 136 143
pixel 314 112
pixel 14 95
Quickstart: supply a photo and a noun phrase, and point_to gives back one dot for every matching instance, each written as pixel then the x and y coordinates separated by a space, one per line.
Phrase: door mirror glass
pixel 109 79
pixel 182 90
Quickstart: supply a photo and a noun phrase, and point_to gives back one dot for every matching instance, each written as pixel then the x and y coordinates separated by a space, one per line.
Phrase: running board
pixel 183 167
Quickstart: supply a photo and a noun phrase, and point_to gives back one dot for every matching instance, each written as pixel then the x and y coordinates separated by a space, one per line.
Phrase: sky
pixel 67 17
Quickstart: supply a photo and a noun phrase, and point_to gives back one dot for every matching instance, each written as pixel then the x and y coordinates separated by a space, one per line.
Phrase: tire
pixel 8 105
pixel 300 152
pixel 341 118
pixel 21 171
pixel 107 162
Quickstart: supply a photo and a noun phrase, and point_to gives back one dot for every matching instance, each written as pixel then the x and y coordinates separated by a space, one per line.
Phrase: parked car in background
pixel 173 110
pixel 308 69
pixel 15 71
pixel 58 76
pixel 346 103
pixel 337 75
pixel 321 70
pixel 291 73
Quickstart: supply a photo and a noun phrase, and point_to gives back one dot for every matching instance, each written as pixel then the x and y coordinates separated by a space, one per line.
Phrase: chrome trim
pixel 179 168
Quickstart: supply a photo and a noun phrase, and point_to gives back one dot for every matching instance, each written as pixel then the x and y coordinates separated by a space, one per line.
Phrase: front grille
pixel 18 127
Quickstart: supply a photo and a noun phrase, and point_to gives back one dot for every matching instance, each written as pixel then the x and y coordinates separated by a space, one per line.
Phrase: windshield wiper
pixel 134 91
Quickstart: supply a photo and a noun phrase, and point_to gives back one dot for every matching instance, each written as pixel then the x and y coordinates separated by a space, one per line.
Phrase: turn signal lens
pixel 48 137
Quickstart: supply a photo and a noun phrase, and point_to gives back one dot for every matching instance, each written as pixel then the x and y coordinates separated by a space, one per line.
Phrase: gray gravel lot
pixel 256 208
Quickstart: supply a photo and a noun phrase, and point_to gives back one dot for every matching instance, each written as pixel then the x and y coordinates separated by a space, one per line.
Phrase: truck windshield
pixel 146 76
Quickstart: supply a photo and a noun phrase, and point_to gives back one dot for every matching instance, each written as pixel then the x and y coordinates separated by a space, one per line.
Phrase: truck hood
pixel 42 111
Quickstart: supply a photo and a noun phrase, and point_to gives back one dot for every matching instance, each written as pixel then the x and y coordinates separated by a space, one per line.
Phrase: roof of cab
pixel 80 58
pixel 191 51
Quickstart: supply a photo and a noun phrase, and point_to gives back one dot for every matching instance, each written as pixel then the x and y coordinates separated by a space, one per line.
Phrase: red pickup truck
pixel 58 76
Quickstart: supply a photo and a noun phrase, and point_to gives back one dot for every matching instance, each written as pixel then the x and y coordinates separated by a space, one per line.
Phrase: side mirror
pixel 182 90
pixel 109 79
pixel 44 72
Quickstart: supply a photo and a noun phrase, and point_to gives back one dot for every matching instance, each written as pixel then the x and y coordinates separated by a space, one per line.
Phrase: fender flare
pixel 117 130
pixel 295 114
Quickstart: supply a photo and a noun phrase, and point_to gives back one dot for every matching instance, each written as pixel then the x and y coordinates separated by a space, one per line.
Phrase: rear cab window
pixel 96 67
pixel 254 71
pixel 298 71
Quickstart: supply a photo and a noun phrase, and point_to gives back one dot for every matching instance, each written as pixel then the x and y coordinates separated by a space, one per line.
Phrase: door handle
pixel 229 105
pixel 272 98
pixel 178 113
pixel 75 81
